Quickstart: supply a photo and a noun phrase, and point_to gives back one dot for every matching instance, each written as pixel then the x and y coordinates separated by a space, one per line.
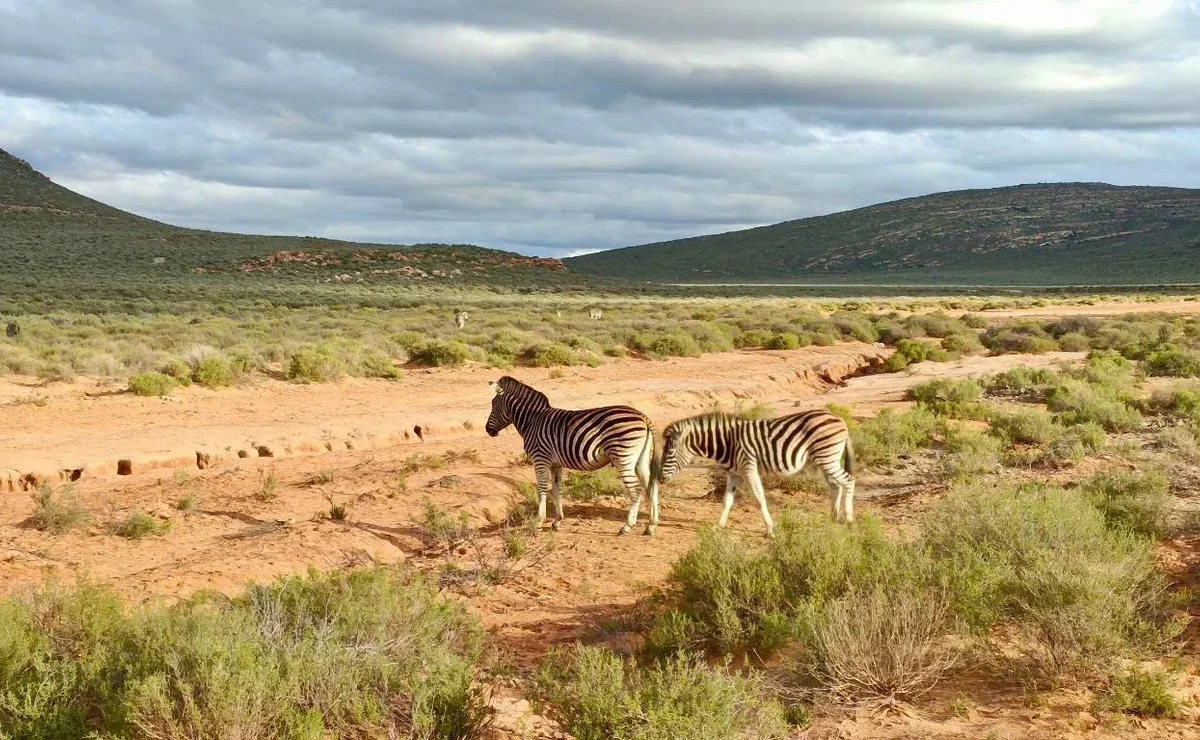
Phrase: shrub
pixel 1024 426
pixel 957 398
pixel 438 353
pixel 1073 444
pixel 1130 500
pixel 753 338
pixel 1022 379
pixel 895 363
pixel 151 384
pixel 179 370
pixel 376 364
pixel 1021 338
pixel 1074 342
pixel 1175 363
pixel 963 344
pixel 1078 402
pixel 323 656
pixel 783 340
pixel 675 345
pixel 1180 401
pixel 57 511
pixel 1139 692
pixel 1078 592
pixel 878 644
pixel 914 350
pixel 969 454
pixel 889 435
pixel 548 355
pixel 595 696
pixel 591 486
pixel 139 524
pixel 213 371
pixel 855 326
pixel 309 365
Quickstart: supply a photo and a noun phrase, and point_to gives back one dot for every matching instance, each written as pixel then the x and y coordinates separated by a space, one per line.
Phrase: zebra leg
pixel 542 471
pixel 556 473
pixel 629 476
pixel 838 476
pixel 757 487
pixel 650 485
pixel 732 480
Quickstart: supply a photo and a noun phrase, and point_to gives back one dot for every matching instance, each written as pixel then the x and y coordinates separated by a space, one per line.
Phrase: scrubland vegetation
pixel 1035 560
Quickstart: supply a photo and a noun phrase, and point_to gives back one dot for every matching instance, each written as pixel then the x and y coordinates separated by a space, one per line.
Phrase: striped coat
pixel 747 447
pixel 586 439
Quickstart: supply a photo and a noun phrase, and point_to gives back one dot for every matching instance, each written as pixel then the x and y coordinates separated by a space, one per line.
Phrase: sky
pixel 559 127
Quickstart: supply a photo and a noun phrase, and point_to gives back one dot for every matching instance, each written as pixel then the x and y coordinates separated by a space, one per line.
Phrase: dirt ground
pixel 353 444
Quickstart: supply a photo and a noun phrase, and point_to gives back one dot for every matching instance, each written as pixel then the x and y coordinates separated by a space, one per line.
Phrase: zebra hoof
pixel 554 524
pixel 624 530
pixel 649 531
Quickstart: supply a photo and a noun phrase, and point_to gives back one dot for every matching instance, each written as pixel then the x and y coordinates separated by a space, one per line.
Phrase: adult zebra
pixel 744 447
pixel 586 439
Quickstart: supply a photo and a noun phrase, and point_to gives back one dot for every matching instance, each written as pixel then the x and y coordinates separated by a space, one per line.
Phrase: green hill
pixel 53 240
pixel 1052 234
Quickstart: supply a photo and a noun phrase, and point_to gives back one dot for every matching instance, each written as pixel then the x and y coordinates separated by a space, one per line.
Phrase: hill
pixel 1050 234
pixel 53 240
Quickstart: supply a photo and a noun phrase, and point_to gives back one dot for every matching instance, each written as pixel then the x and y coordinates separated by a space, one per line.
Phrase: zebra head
pixel 513 403
pixel 499 419
pixel 677 450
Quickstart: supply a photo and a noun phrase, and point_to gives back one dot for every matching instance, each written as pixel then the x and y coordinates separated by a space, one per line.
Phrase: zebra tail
pixel 848 457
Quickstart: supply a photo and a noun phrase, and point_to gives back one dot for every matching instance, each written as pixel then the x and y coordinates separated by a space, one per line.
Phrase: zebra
pixel 744 447
pixel 460 318
pixel 586 439
pixel 13 330
pixel 595 313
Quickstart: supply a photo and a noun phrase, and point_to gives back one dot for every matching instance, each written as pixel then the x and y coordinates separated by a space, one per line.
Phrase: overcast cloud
pixel 554 127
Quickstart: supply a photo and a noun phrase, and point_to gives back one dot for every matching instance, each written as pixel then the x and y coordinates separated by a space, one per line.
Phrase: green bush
pixel 1023 379
pixel 914 350
pixel 957 398
pixel 589 486
pixel 376 364
pixel 309 365
pixel 962 344
pixel 1079 592
pixel 1140 693
pixel 323 656
pixel 548 355
pixel 1024 426
pixel 1079 402
pixel 595 696
pixel 1019 338
pixel 969 454
pixel 151 384
pixel 888 435
pixel 438 353
pixel 855 326
pixel 139 524
pixel 1130 500
pixel 213 372
pixel 675 345
pixel 895 363
pixel 753 338
pixel 1074 342
pixel 1175 363
pixel 1179 401
pixel 783 340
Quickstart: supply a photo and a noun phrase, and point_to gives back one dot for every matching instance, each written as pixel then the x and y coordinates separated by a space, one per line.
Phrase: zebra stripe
pixel 746 447
pixel 586 439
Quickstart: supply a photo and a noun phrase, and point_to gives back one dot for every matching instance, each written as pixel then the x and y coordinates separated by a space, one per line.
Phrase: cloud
pixel 555 128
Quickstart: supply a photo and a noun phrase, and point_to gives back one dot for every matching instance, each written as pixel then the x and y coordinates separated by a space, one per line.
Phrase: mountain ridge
pixel 1038 233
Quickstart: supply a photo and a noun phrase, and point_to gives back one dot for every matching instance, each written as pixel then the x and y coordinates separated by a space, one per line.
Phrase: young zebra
pixel 586 439
pixel 595 313
pixel 460 318
pixel 744 447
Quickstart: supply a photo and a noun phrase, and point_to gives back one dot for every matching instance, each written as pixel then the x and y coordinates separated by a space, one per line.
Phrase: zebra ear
pixel 495 388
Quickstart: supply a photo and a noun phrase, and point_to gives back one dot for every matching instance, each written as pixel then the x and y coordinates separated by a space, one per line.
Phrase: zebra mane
pixel 519 391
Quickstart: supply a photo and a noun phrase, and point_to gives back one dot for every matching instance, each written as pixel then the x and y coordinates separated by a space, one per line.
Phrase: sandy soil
pixel 352 444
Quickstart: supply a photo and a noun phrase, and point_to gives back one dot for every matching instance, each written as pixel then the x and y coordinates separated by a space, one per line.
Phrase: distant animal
pixel 746 447
pixel 460 319
pixel 585 439
pixel 595 313
pixel 13 330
